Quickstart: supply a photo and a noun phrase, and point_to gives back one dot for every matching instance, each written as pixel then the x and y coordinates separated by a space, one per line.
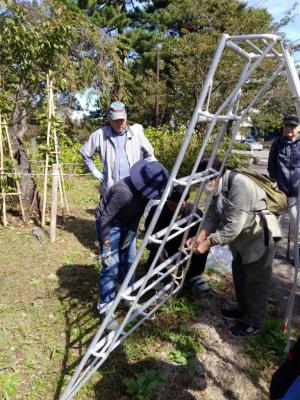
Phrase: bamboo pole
pixel 60 180
pixel 3 194
pixel 63 189
pixel 49 87
pixel 19 193
pixel 53 215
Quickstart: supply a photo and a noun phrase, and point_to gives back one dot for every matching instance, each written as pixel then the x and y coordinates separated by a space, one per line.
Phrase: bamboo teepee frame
pixel 52 139
pixel 7 153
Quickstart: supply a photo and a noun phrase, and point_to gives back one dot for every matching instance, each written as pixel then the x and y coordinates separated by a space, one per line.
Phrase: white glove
pixel 98 175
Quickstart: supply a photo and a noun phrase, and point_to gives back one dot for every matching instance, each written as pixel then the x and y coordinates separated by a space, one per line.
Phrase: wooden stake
pixel 53 215
pixel 3 194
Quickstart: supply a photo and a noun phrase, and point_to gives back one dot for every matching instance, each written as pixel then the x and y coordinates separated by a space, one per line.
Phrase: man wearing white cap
pixel 119 147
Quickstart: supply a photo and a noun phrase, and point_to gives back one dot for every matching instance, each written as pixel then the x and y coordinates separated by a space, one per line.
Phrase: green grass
pixel 267 348
pixel 9 384
pixel 48 317
pixel 143 386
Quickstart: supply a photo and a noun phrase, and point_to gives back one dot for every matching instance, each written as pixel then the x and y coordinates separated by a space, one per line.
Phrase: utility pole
pixel 157 119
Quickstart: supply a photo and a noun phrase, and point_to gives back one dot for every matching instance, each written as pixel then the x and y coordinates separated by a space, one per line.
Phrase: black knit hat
pixel 291 119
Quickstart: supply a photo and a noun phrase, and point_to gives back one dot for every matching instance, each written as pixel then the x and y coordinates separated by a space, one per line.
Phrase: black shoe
pixel 240 329
pixel 231 313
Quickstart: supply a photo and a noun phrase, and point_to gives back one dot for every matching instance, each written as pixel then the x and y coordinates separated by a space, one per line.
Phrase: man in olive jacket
pixel 237 216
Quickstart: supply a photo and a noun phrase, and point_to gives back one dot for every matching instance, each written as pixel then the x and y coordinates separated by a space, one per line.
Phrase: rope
pixel 35 174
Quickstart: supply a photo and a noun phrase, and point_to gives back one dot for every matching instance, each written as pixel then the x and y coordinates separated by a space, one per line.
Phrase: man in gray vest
pixel 119 146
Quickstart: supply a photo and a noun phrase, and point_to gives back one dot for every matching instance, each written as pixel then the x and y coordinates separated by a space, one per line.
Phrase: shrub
pixel 167 143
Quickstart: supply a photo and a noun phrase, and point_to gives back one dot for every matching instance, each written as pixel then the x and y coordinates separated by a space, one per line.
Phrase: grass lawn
pixel 48 316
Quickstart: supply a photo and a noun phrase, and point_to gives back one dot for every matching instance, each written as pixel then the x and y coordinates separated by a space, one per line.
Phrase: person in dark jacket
pixel 284 164
pixel 198 261
pixel 117 217
pixel 285 383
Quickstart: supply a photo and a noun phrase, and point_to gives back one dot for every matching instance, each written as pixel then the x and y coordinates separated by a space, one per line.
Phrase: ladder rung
pixel 205 116
pixel 178 226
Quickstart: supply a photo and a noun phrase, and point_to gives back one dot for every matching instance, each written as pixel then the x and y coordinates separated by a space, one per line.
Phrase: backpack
pixel 276 199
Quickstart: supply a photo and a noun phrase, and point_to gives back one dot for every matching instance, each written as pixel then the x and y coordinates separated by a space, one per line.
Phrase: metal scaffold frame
pixel 151 291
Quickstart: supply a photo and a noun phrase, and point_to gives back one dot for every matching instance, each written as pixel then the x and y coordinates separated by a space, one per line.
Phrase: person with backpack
pixel 284 164
pixel 237 216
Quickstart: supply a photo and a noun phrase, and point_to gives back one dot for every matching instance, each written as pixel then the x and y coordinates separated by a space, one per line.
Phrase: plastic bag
pixel 219 259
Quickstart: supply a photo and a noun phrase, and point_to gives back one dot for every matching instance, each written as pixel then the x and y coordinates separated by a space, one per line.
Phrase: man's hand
pixel 189 242
pixel 201 246
pixel 99 175
pixel 106 253
pixel 201 236
pixel 128 240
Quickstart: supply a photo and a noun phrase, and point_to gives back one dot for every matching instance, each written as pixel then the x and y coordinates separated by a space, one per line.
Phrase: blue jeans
pixel 120 261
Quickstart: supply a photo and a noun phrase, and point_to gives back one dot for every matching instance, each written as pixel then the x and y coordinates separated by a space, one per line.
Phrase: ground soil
pixel 47 304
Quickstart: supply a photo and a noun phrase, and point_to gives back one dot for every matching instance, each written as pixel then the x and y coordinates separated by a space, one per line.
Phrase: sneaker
pixel 113 323
pixel 198 284
pixel 103 307
pixel 127 303
pixel 240 329
pixel 231 314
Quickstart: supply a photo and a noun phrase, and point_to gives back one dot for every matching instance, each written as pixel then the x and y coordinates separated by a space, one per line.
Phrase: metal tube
pixel 270 36
pixel 239 50
pixel 102 345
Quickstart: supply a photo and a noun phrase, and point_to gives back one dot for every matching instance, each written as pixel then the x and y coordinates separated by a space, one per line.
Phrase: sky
pixel 278 9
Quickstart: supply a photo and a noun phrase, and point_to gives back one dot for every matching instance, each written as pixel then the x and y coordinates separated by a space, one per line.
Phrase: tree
pixel 189 31
pixel 38 38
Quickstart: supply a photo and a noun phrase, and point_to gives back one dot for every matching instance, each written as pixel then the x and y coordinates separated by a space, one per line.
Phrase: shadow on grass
pixel 166 345
pixel 84 230
pixel 78 294
pixel 173 381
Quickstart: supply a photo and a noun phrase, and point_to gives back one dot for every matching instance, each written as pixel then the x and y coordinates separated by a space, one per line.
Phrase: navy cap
pixel 149 178
pixel 291 119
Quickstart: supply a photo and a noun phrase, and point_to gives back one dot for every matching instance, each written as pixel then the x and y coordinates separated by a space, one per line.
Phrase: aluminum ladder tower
pixel 251 51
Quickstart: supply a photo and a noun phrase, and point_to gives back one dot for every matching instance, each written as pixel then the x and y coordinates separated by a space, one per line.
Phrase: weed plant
pixel 267 348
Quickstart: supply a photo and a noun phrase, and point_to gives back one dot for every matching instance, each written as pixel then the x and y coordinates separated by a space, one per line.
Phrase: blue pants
pixel 120 261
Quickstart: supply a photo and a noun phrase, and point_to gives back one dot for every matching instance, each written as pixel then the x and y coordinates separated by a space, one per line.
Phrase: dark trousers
pixel 252 282
pixel 197 264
